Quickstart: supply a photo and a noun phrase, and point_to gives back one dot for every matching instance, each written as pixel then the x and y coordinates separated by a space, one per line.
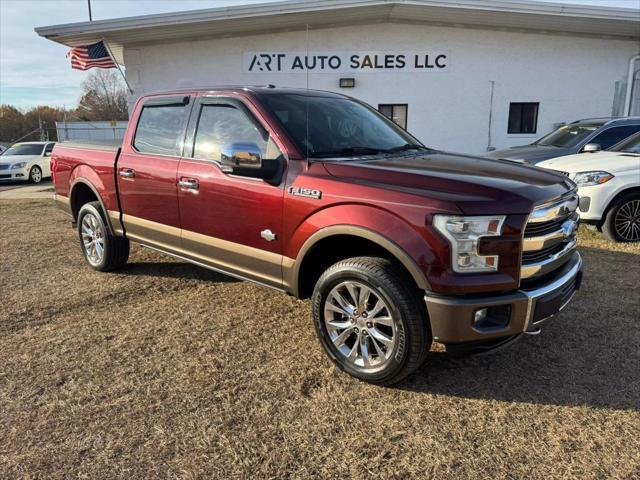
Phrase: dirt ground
pixel 168 370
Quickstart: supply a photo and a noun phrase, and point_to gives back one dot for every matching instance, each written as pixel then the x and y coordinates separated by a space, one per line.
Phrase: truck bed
pixel 90 163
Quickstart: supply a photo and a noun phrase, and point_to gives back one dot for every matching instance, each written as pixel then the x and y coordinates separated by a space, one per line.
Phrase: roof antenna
pixel 306 65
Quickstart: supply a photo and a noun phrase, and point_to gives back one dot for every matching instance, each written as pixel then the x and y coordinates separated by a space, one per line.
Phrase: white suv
pixel 608 186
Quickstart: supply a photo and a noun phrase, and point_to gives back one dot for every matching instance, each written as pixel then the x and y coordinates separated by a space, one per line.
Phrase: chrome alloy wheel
pixel 627 221
pixel 360 324
pixel 92 239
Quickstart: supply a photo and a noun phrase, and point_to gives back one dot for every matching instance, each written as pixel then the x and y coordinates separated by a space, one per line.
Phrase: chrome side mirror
pixel 240 156
pixel 591 148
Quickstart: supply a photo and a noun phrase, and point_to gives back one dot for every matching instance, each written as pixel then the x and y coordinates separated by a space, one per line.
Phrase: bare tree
pixel 104 97
pixel 11 123
pixel 32 124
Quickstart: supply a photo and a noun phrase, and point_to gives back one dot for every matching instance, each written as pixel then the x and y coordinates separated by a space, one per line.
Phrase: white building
pixel 463 75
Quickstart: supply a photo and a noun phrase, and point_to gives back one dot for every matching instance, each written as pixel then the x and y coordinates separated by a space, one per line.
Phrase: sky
pixel 35 71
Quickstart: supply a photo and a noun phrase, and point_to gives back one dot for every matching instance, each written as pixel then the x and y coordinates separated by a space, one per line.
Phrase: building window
pixel 523 117
pixel 396 112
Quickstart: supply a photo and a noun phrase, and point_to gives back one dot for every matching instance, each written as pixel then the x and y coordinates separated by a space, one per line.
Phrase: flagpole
pixel 89 5
pixel 117 65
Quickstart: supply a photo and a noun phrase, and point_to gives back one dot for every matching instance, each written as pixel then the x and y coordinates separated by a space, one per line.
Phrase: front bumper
pixel 14 175
pixel 452 318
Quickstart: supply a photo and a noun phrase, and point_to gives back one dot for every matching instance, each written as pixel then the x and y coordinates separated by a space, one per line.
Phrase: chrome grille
pixel 550 236
pixel 542 254
pixel 542 228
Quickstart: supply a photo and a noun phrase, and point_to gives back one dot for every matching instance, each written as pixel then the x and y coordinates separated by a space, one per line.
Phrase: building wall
pixel 572 77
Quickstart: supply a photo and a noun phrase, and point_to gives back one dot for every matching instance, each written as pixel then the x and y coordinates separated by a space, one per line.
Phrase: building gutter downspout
pixel 630 74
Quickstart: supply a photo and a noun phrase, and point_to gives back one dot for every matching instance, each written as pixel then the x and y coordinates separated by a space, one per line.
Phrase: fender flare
pixel 105 212
pixel 356 231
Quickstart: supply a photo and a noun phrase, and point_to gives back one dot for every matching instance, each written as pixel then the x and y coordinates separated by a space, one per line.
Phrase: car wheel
pixel 102 251
pixel 35 174
pixel 622 223
pixel 370 320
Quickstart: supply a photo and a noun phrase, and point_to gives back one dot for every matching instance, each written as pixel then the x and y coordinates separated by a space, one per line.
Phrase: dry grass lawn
pixel 168 370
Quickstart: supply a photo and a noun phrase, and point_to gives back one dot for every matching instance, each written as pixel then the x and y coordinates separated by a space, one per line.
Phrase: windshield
pixel 629 145
pixel 24 149
pixel 337 127
pixel 568 135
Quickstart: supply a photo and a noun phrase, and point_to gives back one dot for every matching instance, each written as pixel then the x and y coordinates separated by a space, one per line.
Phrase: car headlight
pixel 464 234
pixel 586 179
pixel 16 166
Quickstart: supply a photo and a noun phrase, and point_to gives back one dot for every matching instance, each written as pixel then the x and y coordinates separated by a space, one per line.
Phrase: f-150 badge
pixel 305 192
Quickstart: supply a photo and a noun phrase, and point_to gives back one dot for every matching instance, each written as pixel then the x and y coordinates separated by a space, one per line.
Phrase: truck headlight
pixel 464 234
pixel 16 166
pixel 586 179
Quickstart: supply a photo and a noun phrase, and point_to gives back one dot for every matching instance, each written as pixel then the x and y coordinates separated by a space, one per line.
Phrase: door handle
pixel 127 173
pixel 189 184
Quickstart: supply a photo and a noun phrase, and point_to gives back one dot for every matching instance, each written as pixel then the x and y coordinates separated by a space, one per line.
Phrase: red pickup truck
pixel 318 195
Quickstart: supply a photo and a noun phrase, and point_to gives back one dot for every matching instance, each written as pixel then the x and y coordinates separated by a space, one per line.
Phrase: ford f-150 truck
pixel 318 195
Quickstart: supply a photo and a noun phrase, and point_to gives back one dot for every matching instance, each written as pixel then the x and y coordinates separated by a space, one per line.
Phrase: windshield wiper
pixel 407 146
pixel 347 152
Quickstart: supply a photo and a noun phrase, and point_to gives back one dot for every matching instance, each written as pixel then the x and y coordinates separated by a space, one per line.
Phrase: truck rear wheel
pixel 102 251
pixel 370 320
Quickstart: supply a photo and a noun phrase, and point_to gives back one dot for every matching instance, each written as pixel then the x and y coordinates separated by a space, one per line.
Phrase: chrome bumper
pixel 452 318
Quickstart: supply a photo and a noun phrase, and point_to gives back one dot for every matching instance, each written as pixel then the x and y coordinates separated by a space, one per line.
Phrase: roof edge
pixel 313 6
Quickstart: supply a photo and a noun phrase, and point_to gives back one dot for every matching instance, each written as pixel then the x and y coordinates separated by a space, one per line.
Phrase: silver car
pixel 587 135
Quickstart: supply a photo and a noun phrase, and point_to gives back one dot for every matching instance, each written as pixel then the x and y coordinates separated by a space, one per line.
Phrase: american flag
pixel 89 56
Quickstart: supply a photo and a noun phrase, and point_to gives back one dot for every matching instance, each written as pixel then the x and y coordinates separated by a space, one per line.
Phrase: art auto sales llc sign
pixel 345 62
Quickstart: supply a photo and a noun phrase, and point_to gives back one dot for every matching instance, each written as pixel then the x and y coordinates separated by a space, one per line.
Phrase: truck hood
pixel 529 153
pixel 477 186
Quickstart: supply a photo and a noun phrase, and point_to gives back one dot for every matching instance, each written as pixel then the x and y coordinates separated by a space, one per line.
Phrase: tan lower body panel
pixel 236 259
pixel 114 219
pixel 161 236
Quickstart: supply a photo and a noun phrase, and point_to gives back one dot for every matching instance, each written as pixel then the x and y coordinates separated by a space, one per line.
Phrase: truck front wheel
pixel 102 251
pixel 370 320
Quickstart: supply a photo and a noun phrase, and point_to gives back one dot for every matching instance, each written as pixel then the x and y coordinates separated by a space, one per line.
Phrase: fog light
pixel 491 318
pixel 585 203
pixel 479 315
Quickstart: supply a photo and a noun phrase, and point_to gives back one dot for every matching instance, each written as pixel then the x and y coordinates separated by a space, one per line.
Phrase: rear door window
pixel 160 129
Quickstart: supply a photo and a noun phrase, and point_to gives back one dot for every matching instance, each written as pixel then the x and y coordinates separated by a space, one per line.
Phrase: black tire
pixel 115 250
pixel 614 228
pixel 35 174
pixel 408 315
